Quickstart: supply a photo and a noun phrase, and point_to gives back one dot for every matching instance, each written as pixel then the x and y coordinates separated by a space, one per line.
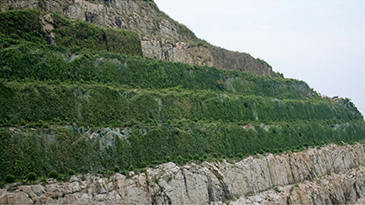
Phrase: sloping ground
pixel 173 110
pixel 91 104
pixel 331 174
pixel 161 37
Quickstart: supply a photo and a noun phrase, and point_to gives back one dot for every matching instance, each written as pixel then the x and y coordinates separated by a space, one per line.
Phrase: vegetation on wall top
pixel 58 100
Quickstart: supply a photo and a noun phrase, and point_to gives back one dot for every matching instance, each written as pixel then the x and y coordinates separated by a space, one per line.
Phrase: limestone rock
pixel 37 189
pixel 18 198
pixel 28 190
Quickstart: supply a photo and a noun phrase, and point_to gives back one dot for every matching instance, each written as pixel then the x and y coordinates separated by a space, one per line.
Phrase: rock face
pixel 329 175
pixel 161 37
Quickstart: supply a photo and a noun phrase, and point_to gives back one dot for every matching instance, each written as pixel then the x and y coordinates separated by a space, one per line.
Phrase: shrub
pixel 131 168
pixel 108 173
pixel 168 122
pixel 205 156
pixel 276 189
pixel 31 176
pixel 143 165
pixel 116 169
pixel 9 178
pixel 215 155
pixel 22 122
pixel 71 172
pixel 261 151
pixel 179 159
pixel 190 157
pixel 231 156
pixel 196 157
pixel 156 162
pixel 196 119
pixel 53 174
pixel 132 122
pixel 168 159
pixel 240 155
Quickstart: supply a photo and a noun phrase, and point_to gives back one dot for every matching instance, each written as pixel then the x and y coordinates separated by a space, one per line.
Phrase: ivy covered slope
pixel 92 103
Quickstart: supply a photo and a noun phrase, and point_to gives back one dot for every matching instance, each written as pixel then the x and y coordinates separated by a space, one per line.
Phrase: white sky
pixel 319 41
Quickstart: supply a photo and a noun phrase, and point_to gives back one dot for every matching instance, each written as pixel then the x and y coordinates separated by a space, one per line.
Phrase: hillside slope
pixel 181 109
pixel 161 37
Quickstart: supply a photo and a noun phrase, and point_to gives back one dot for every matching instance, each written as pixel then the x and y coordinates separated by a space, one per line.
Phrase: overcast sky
pixel 321 42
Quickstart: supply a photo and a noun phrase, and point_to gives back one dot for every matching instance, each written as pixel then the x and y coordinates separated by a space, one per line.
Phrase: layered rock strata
pixel 329 175
pixel 161 37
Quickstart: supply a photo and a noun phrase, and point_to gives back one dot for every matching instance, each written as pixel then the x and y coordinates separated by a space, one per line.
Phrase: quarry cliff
pixel 161 37
pixel 114 102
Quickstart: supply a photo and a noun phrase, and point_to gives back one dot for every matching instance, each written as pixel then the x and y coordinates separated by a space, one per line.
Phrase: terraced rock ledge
pixel 331 174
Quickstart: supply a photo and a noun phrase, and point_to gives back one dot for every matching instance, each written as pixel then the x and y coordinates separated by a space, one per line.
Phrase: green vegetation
pixel 54 98
pixel 20 25
pixel 85 35
pixel 53 174
pixel 51 63
pixel 31 176
pixel 9 178
pixel 59 148
pixel 53 102
pixel 24 27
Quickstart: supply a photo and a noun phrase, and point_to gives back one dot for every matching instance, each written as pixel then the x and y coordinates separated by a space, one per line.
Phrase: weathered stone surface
pixel 37 189
pixel 47 27
pixel 160 37
pixel 3 198
pixel 226 59
pixel 28 190
pixel 18 198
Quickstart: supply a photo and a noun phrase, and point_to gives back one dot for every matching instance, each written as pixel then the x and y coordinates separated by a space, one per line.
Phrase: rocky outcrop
pixel 239 61
pixel 329 175
pixel 166 49
pixel 161 37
